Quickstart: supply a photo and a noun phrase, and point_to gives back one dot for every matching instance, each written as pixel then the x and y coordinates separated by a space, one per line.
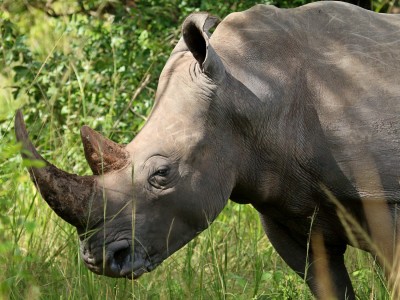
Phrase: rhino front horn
pixel 67 194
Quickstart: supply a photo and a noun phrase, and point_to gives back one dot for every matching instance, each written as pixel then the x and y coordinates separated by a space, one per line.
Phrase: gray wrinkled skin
pixel 293 111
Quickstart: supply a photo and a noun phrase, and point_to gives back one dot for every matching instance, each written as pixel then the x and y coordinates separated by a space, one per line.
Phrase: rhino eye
pixel 162 172
pixel 159 178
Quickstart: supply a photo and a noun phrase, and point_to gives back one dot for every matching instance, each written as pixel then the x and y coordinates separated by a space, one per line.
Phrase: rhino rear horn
pixel 67 194
pixel 195 32
pixel 102 154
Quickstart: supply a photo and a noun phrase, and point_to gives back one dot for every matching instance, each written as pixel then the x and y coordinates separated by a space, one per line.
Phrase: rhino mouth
pixel 120 260
pixel 141 268
pixel 135 266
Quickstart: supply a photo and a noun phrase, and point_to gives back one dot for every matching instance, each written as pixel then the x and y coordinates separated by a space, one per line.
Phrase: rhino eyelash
pixel 162 172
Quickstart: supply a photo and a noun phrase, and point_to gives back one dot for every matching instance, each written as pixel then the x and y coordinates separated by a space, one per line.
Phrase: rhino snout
pixel 120 260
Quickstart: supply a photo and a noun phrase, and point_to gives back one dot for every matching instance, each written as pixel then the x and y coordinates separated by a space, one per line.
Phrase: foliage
pixel 96 62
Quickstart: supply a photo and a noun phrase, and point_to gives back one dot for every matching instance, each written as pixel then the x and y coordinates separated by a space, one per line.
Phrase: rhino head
pixel 147 199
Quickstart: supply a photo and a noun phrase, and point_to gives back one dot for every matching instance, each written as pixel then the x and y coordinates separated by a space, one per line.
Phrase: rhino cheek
pixel 162 229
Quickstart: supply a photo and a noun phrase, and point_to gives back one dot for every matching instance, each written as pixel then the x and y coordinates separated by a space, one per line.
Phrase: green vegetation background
pixel 96 62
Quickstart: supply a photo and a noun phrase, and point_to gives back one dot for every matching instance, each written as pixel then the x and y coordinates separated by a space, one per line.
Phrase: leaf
pixel 35 163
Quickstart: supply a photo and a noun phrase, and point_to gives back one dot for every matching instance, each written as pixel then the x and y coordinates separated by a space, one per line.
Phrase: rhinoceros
pixel 294 111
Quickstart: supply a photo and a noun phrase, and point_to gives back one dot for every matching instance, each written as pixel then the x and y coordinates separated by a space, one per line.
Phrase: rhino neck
pixel 282 147
pixel 250 118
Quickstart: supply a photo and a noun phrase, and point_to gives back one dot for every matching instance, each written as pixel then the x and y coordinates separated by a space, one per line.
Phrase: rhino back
pixel 343 60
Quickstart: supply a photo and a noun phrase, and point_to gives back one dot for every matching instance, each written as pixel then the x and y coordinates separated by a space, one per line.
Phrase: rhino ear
pixel 195 31
pixel 102 154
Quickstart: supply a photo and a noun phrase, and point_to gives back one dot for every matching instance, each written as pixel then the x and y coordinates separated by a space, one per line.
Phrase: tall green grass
pixel 231 260
pixel 39 252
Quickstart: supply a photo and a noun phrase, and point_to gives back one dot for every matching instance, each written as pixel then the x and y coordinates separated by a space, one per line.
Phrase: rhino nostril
pixel 121 256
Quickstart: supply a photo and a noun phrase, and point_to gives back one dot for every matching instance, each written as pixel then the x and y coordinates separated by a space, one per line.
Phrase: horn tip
pixel 87 132
pixel 22 136
pixel 20 127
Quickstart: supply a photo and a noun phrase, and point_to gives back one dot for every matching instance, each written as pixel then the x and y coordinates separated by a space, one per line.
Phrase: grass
pixel 231 260
pixel 42 260
pixel 39 258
